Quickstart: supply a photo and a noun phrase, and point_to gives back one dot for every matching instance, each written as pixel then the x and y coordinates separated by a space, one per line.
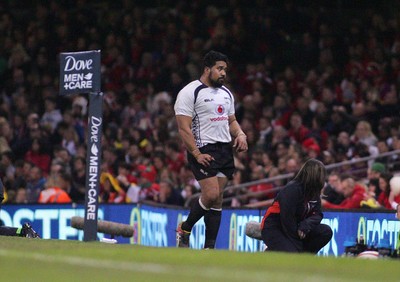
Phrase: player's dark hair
pixel 312 176
pixel 212 57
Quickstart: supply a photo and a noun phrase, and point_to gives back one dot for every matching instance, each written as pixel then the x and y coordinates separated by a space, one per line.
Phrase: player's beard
pixel 216 82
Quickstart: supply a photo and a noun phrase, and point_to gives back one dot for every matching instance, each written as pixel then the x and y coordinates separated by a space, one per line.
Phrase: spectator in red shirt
pixel 383 197
pixel 354 193
pixel 297 130
pixel 175 158
pixel 260 191
pixel 38 156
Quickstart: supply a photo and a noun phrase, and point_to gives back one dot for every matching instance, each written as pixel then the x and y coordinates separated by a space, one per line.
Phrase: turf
pixel 58 260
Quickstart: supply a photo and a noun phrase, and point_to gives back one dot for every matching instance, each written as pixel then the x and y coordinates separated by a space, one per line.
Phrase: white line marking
pixel 89 262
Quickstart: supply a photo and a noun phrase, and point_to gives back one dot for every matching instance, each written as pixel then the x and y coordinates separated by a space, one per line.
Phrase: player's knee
pixel 218 201
pixel 212 196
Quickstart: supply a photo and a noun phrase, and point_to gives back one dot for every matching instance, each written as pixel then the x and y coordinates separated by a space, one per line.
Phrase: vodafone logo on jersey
pixel 220 109
pixel 219 119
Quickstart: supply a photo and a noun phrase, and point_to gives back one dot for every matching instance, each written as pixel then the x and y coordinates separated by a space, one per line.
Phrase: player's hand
pixel 301 234
pixel 204 159
pixel 240 143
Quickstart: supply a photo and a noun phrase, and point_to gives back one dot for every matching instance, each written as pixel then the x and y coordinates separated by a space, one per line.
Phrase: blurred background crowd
pixel 310 78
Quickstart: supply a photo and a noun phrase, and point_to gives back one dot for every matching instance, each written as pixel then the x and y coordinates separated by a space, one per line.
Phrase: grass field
pixel 24 259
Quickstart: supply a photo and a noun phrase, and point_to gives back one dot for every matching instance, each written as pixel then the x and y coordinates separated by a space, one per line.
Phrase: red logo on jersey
pixel 220 109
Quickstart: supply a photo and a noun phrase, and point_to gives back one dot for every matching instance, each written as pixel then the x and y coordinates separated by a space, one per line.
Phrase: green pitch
pixel 24 259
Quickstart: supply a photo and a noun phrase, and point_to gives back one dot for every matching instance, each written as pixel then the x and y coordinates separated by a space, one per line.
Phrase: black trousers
pixel 317 238
pixel 276 240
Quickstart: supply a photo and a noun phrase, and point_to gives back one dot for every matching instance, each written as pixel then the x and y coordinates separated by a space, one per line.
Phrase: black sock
pixel 196 212
pixel 10 231
pixel 212 219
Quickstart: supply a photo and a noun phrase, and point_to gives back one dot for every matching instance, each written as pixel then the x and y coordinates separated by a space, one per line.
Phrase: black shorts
pixel 222 163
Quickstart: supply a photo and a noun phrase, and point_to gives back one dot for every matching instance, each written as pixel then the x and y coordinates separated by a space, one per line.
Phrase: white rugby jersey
pixel 209 109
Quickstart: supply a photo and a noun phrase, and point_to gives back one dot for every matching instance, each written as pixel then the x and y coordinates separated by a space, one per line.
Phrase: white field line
pixel 214 273
pixel 210 272
pixel 89 262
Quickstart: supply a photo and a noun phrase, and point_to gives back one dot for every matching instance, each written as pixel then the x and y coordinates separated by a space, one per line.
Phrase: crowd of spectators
pixel 315 81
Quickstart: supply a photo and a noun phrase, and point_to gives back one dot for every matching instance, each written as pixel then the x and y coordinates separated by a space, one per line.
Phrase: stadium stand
pixel 312 79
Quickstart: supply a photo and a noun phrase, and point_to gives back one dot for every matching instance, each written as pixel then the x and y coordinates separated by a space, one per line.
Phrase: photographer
pixel 293 222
